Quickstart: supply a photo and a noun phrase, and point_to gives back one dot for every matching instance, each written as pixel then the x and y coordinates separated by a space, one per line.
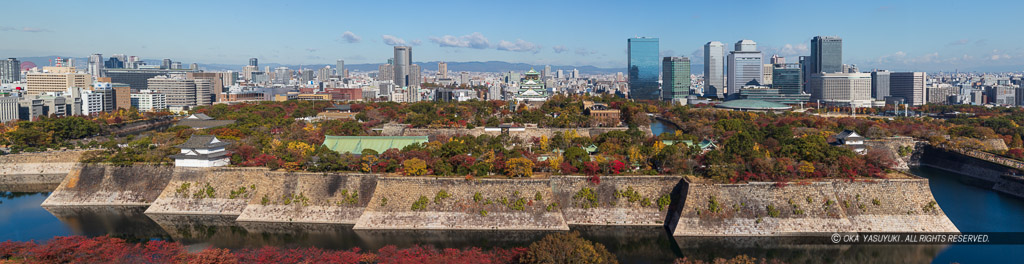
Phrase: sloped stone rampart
pixel 768 209
pixel 627 208
pixel 99 184
pixel 311 198
pixel 209 191
pixel 501 205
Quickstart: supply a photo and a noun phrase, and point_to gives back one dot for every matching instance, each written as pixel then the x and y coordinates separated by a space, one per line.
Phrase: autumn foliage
pixel 105 249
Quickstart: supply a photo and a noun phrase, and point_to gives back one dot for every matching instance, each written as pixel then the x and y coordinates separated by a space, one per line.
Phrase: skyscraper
pixel 643 68
pixel 340 70
pixel 165 64
pixel 909 86
pixel 442 69
pixel 714 67
pixel 254 62
pixel 842 88
pixel 10 70
pixel 745 67
pixel 826 54
pixel 403 59
pixel 786 77
pixel 95 65
pixel 675 78
pixel 880 84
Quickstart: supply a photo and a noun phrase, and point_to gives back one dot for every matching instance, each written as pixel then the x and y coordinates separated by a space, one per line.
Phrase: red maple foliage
pixel 105 249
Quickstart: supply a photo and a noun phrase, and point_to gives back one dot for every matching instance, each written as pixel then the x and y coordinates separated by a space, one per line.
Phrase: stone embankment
pixel 770 209
pixel 527 133
pixel 36 172
pixel 211 191
pixel 618 200
pixel 96 184
pixel 427 203
pixel 311 198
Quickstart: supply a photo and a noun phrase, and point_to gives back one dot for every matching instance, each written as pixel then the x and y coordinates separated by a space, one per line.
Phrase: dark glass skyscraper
pixel 254 62
pixel 826 54
pixel 787 78
pixel 643 68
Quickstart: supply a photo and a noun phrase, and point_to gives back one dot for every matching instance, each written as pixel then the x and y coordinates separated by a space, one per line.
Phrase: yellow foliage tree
pixel 658 146
pixel 806 167
pixel 544 143
pixel 571 134
pixel 414 167
pixel 634 155
pixel 520 167
pixel 367 164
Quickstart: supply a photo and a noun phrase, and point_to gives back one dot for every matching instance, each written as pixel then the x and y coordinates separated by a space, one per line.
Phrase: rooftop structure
pixel 356 144
pixel 201 151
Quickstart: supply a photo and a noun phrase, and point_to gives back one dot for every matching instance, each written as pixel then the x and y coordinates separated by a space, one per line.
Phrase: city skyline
pixel 322 35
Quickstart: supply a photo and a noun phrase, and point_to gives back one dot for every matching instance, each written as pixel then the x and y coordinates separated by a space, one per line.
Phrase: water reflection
pixel 128 222
pixel 798 250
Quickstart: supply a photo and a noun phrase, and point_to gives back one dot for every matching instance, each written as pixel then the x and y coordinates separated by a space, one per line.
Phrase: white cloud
pixel 475 41
pixel 560 49
pixel 25 29
pixel 350 37
pixel 519 46
pixel 585 52
pixel 959 42
pixel 392 40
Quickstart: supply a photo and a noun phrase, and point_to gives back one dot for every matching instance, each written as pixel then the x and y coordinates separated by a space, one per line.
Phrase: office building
pixel 402 62
pixel 339 69
pixel 767 71
pixel 93 102
pixel 114 62
pixel 182 92
pixel 675 78
pixel 841 88
pixel 643 68
pixel 442 69
pixel 282 75
pixel 165 64
pixel 777 60
pixel 787 78
pixel 122 96
pixel 149 101
pixel 10 70
pixel 880 85
pixel 745 67
pixel 138 79
pixel 95 67
pixel 215 78
pixel 247 72
pixel 826 54
pixel 805 71
pixel 386 72
pixel 909 86
pixel 8 108
pixel 55 79
pixel 254 62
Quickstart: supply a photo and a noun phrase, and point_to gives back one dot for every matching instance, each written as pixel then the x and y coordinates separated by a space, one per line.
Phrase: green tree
pixel 567 248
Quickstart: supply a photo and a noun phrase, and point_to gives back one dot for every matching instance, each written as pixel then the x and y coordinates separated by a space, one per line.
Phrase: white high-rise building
pixel 841 88
pixel 95 66
pixel 714 68
pixel 403 60
pixel 149 101
pixel 746 67
pixel 340 69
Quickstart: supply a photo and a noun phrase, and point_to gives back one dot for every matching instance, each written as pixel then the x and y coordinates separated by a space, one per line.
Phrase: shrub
pixel 477 197
pixel 772 211
pixel 663 202
pixel 552 207
pixel 713 205
pixel 567 248
pixel 537 197
pixel 420 204
pixel 440 196
pixel 587 198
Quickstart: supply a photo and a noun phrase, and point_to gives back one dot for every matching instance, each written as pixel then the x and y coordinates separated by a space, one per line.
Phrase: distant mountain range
pixel 471 66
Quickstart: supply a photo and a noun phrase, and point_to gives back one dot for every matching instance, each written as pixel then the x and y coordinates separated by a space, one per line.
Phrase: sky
pixel 896 35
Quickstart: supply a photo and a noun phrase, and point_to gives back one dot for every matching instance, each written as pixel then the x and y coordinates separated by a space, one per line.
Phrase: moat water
pixel 972 209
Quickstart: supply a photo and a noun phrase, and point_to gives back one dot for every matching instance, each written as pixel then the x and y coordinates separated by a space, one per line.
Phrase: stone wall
pixel 311 198
pixel 526 135
pixel 977 171
pixel 612 209
pixel 36 172
pixel 97 184
pixel 211 191
pixel 767 209
pixel 1012 185
pixel 501 205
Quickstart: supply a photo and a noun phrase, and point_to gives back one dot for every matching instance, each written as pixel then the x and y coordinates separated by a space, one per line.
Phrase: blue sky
pixel 899 35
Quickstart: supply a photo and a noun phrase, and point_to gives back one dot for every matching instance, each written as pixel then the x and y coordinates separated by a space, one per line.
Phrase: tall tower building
pixel 165 64
pixel 442 69
pixel 340 69
pixel 714 68
pixel 826 54
pixel 745 67
pixel 10 70
pixel 909 86
pixel 95 65
pixel 643 68
pixel 880 84
pixel 787 78
pixel 403 59
pixel 254 62
pixel 675 78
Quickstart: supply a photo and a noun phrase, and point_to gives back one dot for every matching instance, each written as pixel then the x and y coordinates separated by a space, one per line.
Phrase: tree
pixel 414 167
pixel 567 248
pixel 519 167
